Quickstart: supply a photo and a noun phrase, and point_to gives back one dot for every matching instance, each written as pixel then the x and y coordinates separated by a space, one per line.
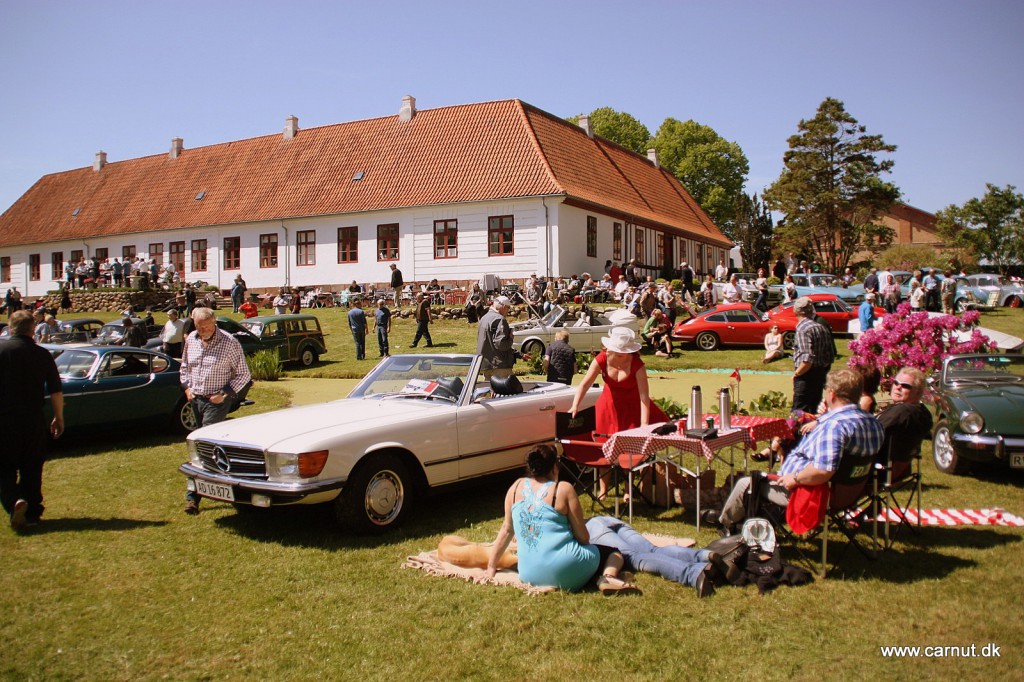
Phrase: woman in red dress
pixel 624 402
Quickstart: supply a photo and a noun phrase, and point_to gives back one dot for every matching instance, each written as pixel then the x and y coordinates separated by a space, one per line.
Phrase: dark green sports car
pixel 111 385
pixel 979 403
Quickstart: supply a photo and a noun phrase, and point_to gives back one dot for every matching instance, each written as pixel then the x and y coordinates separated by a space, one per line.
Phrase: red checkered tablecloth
pixel 759 428
pixel 642 441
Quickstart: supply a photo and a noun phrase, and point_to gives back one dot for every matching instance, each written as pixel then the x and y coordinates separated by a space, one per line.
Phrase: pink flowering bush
pixel 906 339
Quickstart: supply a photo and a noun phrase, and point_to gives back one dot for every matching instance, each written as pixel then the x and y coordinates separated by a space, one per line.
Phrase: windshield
pixel 255 327
pixel 436 376
pixel 824 280
pixel 552 317
pixel 985 369
pixel 74 364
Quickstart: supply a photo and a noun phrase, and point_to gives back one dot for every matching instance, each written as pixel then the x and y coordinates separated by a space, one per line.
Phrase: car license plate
pixel 214 490
pixel 1017 460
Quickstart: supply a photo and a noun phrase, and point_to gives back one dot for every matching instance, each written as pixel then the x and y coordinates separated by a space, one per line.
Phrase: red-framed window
pixel 232 253
pixel 198 255
pixel 659 245
pixel 156 252
pixel 127 252
pixel 103 254
pixel 639 244
pixel 348 244
pixel 387 242
pixel 617 241
pixel 591 236
pixel 76 256
pixel 176 257
pixel 268 250
pixel 446 239
pixel 305 247
pixel 5 268
pixel 57 265
pixel 500 236
pixel 33 266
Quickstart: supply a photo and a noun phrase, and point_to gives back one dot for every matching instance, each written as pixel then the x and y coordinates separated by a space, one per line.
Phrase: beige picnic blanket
pixel 431 565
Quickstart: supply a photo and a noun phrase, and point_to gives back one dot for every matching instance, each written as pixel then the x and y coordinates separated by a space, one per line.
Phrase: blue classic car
pixel 107 385
pixel 979 400
pixel 822 283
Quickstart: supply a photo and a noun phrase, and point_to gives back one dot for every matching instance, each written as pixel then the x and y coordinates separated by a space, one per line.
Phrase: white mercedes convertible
pixel 413 424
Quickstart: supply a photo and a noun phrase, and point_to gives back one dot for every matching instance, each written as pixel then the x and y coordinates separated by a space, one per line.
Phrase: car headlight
pixel 292 465
pixel 972 422
pixel 193 453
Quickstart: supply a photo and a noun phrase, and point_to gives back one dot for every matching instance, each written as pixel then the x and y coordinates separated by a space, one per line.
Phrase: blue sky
pixel 941 80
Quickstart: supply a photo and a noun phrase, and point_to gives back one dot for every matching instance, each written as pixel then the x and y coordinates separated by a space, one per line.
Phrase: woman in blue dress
pixel 554 549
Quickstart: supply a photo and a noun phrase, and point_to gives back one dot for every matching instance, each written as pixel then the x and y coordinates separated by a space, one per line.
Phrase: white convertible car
pixel 415 423
pixel 534 336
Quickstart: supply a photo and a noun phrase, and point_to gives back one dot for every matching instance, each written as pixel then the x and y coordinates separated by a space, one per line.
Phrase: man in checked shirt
pixel 213 372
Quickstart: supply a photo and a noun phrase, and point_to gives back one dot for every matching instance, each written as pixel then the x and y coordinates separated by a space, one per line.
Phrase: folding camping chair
pixel 852 504
pixel 582 457
pixel 898 486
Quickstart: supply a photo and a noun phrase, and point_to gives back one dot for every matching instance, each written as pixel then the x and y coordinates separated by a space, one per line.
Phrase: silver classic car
pixel 534 336
pixel 413 424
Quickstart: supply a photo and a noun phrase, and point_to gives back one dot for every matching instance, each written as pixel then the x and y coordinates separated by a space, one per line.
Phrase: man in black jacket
pixel 27 374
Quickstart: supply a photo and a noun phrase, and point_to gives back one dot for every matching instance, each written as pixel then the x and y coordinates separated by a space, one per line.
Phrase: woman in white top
pixel 788 290
pixel 917 294
pixel 773 345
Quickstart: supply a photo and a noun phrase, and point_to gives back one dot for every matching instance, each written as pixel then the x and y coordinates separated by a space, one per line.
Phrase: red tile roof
pixel 475 152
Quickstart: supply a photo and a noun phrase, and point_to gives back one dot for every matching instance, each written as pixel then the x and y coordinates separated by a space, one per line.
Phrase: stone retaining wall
pixel 93 300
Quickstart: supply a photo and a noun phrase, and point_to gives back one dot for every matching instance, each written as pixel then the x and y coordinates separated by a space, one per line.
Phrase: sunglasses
pixel 903 384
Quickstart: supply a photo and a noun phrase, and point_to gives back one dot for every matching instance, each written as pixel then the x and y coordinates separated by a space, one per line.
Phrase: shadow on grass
pixel 997 472
pixel 915 558
pixel 315 525
pixel 64 525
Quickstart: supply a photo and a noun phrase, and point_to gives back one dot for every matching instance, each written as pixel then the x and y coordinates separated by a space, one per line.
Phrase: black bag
pixel 730 548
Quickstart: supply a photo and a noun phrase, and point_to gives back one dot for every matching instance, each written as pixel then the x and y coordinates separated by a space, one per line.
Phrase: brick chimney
pixel 652 154
pixel 100 162
pixel 177 144
pixel 585 124
pixel 291 127
pixel 408 109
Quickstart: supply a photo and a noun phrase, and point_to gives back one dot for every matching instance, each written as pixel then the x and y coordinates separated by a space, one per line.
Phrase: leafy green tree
pixel 992 227
pixel 831 189
pixel 908 257
pixel 711 168
pixel 619 127
pixel 752 232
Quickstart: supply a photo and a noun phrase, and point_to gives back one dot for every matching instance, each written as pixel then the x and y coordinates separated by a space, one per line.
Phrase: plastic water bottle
pixel 724 414
pixel 693 419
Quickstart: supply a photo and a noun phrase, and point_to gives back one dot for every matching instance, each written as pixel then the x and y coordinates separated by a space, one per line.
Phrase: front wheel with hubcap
pixel 788 340
pixel 376 497
pixel 943 453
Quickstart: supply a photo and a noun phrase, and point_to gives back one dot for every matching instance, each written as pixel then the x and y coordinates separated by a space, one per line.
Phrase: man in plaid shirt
pixel 213 373
pixel 844 430
pixel 813 353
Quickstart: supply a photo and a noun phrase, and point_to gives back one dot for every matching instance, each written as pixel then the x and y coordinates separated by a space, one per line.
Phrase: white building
pixel 449 193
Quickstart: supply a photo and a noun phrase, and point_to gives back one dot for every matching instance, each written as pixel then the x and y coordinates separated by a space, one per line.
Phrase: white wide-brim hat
pixel 621 340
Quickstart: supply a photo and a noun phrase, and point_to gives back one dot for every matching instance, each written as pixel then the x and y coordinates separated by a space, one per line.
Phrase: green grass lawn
pixel 118 584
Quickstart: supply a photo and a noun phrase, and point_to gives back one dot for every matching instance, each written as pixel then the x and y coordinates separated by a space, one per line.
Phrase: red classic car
pixel 829 307
pixel 738 324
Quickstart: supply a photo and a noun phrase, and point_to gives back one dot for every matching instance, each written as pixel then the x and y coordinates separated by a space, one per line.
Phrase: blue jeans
pixel 382 341
pixel 360 338
pixel 680 564
pixel 207 413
